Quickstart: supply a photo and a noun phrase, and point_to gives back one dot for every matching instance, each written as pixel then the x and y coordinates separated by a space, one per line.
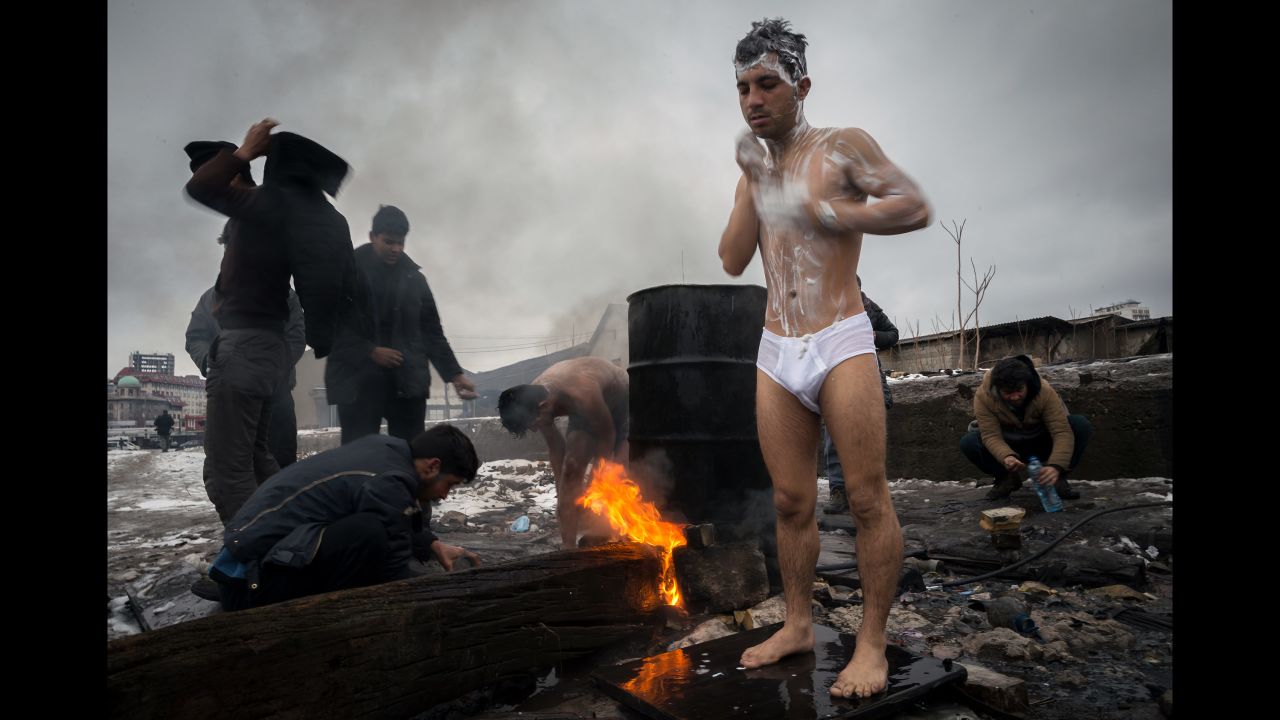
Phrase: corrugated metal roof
pixel 523 372
pixel 999 329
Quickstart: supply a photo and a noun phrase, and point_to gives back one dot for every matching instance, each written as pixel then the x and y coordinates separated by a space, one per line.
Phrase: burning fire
pixel 613 496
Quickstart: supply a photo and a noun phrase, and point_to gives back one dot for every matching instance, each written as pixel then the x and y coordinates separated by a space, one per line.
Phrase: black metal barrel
pixel 693 394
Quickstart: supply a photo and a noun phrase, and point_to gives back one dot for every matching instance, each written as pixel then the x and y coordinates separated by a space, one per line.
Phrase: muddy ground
pixel 1097 656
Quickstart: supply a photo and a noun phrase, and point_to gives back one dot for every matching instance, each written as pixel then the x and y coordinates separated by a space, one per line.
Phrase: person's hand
pixel 833 215
pixel 466 389
pixel 256 141
pixel 1048 475
pixel 750 155
pixel 1013 464
pixel 387 357
pixel 449 554
pixel 826 205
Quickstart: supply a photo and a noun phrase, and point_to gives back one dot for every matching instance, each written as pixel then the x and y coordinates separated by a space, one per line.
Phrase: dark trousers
pixel 245 367
pixel 164 442
pixel 1041 446
pixel 282 438
pixel 406 417
pixel 352 554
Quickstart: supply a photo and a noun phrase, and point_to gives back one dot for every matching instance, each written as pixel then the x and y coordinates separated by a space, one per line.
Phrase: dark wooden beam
pixel 387 651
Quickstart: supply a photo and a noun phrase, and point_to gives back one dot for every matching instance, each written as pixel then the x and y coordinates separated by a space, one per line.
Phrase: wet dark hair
pixel 390 220
pixel 451 447
pixel 1010 374
pixel 518 407
pixel 774 36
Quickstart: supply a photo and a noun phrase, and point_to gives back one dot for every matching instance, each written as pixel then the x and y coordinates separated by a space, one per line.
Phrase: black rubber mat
pixel 705 681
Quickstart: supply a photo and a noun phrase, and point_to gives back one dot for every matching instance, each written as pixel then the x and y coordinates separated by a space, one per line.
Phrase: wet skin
pixel 803 201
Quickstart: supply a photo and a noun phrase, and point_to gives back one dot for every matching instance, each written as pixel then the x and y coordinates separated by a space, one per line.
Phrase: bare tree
pixel 939 348
pixel 979 290
pixel 916 361
pixel 1023 338
pixel 956 232
pixel 1075 347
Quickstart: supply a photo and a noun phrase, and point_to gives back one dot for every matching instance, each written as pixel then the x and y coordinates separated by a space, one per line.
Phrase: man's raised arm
pixel 211 184
pixel 742 235
pixel 901 207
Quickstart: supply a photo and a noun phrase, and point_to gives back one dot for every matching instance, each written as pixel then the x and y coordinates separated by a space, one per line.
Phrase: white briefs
pixel 801 364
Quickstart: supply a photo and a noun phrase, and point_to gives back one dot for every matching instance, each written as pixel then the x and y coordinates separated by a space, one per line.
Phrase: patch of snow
pixel 170 504
pixel 487 492
pixel 177 539
pixel 120 621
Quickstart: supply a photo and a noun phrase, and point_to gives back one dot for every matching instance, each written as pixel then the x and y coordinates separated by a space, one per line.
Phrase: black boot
pixel 1064 488
pixel 838 504
pixel 1005 484
pixel 206 589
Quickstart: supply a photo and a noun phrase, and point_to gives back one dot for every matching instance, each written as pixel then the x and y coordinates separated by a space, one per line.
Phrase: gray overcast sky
pixel 556 156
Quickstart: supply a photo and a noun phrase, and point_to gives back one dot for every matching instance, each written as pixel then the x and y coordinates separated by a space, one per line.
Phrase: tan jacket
pixel 1044 407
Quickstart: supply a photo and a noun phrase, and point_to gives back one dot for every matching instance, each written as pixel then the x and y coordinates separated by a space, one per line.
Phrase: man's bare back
pixel 591 389
pixel 594 394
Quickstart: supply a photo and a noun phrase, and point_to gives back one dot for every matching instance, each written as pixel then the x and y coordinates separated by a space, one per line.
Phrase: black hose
pixel 1020 563
pixel 1053 544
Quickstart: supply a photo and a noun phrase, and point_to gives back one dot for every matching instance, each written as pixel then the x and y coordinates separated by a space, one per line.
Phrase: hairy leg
pixel 852 404
pixel 789 442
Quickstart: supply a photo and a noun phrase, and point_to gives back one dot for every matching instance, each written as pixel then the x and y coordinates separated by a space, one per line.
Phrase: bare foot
pixel 865 675
pixel 787 641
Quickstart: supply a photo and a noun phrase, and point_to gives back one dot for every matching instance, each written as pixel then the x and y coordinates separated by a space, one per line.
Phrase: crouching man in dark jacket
pixel 345 518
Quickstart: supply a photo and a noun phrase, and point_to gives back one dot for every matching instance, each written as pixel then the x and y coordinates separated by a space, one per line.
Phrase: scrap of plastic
pixel 521 524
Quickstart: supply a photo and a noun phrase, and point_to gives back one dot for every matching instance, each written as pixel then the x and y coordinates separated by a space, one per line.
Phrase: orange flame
pixel 649 681
pixel 615 497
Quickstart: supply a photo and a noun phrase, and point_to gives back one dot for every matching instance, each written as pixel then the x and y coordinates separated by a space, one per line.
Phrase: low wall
pixel 1129 401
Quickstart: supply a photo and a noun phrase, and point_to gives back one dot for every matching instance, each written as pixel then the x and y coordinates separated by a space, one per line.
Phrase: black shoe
pixel 1004 487
pixel 1064 488
pixel 838 503
pixel 206 588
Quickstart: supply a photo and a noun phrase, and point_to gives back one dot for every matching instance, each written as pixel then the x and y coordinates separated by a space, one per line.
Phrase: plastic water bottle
pixel 522 524
pixel 1048 496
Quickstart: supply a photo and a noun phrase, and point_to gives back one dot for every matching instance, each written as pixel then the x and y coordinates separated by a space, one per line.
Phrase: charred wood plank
pixel 390 650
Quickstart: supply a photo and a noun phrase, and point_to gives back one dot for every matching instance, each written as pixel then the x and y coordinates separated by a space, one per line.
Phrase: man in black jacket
pixel 344 518
pixel 164 425
pixel 378 368
pixel 203 329
pixel 272 229
pixel 886 337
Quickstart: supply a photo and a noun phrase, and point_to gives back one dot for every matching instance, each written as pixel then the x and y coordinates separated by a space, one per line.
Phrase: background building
pixel 151 364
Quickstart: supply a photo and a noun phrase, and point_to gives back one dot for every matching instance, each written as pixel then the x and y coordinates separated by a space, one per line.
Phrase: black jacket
pixel 283 522
pixel 415 331
pixel 886 337
pixel 285 227
pixel 886 332
pixel 163 424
